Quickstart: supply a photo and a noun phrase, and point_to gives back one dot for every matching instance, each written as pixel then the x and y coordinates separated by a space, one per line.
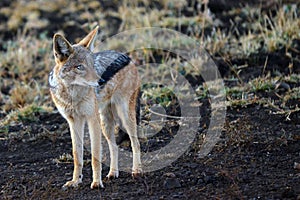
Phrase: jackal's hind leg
pixel 128 120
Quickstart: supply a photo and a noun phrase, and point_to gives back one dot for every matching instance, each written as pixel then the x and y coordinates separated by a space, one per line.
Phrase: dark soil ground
pixel 254 159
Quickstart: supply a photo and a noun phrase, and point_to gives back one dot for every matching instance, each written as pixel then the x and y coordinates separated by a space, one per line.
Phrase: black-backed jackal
pixel 100 89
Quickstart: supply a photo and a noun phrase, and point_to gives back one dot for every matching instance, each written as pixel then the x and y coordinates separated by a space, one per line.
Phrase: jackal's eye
pixel 79 67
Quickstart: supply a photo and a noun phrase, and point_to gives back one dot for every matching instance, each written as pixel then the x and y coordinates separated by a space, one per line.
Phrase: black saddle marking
pixel 113 62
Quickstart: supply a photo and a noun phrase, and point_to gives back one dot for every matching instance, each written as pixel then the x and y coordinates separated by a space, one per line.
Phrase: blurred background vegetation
pixel 256 45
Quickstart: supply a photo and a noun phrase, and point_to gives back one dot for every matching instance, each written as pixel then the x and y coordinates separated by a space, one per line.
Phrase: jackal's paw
pixel 113 174
pixel 73 183
pixel 97 184
pixel 137 172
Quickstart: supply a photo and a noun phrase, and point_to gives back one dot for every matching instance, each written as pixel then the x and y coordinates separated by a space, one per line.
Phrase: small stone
pixel 170 174
pixel 171 183
pixel 200 181
pixel 296 165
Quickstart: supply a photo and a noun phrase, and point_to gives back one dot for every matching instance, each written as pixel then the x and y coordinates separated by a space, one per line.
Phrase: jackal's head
pixel 75 63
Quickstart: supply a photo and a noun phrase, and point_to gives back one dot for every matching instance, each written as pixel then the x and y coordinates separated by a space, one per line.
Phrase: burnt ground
pixel 254 159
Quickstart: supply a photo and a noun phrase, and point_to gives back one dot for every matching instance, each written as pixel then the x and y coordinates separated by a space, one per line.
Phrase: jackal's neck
pixel 68 95
pixel 73 94
pixel 74 100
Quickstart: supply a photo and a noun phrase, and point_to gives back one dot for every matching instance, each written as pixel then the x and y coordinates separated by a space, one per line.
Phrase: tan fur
pixel 74 94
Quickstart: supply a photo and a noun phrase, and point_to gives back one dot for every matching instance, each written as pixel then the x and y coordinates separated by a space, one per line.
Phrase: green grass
pixel 26 114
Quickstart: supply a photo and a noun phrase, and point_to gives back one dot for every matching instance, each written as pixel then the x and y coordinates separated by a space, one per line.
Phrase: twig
pixel 171 116
pixel 265 65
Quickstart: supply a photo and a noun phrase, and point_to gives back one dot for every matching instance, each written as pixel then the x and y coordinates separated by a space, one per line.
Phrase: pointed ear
pixel 89 40
pixel 62 49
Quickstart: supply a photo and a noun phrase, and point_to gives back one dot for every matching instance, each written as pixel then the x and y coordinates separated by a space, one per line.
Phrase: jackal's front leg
pixel 77 129
pixel 108 125
pixel 96 148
